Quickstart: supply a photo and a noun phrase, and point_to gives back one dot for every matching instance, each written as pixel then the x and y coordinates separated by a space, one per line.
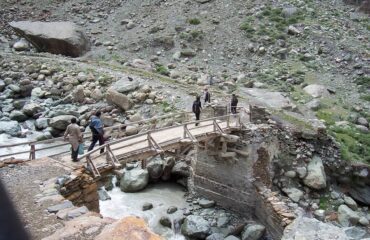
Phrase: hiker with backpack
pixel 96 127
pixel 197 106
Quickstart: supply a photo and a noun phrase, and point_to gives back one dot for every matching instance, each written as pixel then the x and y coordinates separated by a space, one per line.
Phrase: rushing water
pixel 161 195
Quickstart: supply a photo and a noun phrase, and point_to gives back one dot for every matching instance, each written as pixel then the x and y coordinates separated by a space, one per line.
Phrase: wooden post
pixel 185 126
pixel 228 121
pixel 32 152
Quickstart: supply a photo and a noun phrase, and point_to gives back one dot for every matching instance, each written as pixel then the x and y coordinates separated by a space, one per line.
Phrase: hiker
pixel 234 103
pixel 96 127
pixel 74 136
pixel 207 96
pixel 197 106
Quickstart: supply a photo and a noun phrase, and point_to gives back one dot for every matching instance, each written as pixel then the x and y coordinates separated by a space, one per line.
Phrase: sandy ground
pixel 22 183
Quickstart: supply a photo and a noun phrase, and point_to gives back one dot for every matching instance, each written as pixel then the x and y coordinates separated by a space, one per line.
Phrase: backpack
pixel 196 107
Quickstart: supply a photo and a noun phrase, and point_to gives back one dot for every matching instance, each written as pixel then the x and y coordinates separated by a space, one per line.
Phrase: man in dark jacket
pixel 197 106
pixel 234 103
pixel 207 96
pixel 96 127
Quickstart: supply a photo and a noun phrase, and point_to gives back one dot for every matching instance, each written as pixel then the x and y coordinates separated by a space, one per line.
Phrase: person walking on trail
pixel 74 136
pixel 197 106
pixel 207 96
pixel 96 127
pixel 234 103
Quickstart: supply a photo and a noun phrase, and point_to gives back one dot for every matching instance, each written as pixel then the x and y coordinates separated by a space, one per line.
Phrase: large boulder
pixel 130 228
pixel 119 99
pixel 347 216
pixel 31 109
pixel 181 169
pixel 60 122
pixel 64 38
pixel 125 86
pixel 155 169
pixel 361 194
pixel 18 116
pixel 10 127
pixel 195 227
pixel 253 232
pixel 294 193
pixel 134 180
pixel 311 228
pixel 316 177
pixel 78 94
pixel 316 90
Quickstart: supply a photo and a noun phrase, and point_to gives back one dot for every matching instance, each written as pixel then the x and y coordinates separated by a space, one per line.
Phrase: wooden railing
pixel 151 143
pixel 116 130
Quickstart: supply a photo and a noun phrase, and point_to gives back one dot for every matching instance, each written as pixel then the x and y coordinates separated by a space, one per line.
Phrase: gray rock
pixel 355 233
pixel 314 104
pixel 165 221
pixel 79 94
pixel 21 45
pixel 31 109
pixel 125 86
pixel 155 169
pixel 311 228
pixel 364 221
pixel 362 129
pixel 103 195
pixel 215 236
pixel 77 212
pixel 222 221
pixel 181 169
pixel 350 203
pixel 302 172
pixel 363 121
pixel 119 99
pixel 10 127
pixel 147 206
pixel 55 37
pixel 316 90
pixel 293 30
pixel 347 216
pixel 42 123
pixel 360 194
pixel 253 232
pixel 64 205
pixel 294 194
pixel 319 214
pixel 18 116
pixel 204 203
pixel 37 93
pixel 195 227
pixel 25 90
pixel 171 209
pixel 2 85
pixel 203 1
pixel 290 174
pixel 231 238
pixel 289 11
pixel 134 180
pixel 316 177
pixel 60 122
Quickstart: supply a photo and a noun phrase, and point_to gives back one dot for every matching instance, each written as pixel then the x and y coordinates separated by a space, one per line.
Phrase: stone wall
pixel 81 189
pixel 230 181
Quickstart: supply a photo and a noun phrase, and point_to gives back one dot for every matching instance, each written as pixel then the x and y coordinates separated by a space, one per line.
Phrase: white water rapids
pixel 161 195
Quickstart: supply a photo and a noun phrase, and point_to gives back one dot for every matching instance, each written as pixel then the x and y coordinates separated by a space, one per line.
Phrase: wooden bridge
pixel 153 139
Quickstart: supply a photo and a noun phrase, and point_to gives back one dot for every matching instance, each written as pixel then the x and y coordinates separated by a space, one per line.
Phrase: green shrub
pixel 194 21
pixel 162 70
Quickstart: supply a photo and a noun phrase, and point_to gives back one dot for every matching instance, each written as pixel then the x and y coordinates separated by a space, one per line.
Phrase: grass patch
pixel 365 97
pixel 354 145
pixel 194 21
pixel 162 70
pixel 327 116
pixel 324 203
pixel 294 120
pixel 193 35
pixel 271 22
pixel 364 81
